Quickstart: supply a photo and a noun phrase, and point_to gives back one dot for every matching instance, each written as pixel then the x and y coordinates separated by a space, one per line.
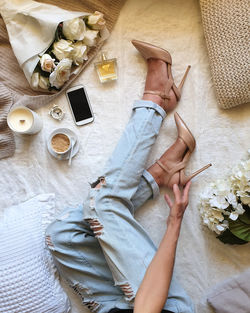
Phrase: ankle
pixel 157 172
pixel 154 98
pixel 156 81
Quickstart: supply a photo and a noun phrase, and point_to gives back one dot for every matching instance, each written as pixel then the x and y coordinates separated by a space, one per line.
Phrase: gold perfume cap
pixel 104 56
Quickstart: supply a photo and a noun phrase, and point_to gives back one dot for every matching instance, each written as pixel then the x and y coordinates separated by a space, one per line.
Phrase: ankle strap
pixel 178 167
pixel 157 93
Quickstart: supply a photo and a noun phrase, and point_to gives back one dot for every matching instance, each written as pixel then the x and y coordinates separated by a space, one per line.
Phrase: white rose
pixel 90 37
pixel 47 63
pixel 79 53
pixel 74 29
pixel 62 49
pixel 35 80
pixel 61 73
pixel 43 82
pixel 38 80
pixel 96 20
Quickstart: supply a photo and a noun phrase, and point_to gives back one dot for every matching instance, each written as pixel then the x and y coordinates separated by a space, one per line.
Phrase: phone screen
pixel 79 104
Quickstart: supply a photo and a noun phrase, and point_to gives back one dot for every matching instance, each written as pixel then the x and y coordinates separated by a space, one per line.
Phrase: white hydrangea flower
pixel 245 199
pixel 231 198
pixel 239 209
pixel 208 193
pixel 241 181
pixel 212 218
pixel 219 202
pixel 222 187
pixel 74 29
pixel 223 199
pixel 233 216
pixel 220 228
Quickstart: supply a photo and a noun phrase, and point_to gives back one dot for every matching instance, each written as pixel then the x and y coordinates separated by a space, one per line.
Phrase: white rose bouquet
pixel 50 44
pixel 73 40
pixel 225 205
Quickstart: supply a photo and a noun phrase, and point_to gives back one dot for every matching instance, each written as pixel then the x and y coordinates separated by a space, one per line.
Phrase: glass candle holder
pixel 22 120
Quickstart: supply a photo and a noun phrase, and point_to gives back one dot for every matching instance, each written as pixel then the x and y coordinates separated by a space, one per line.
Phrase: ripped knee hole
pixel 98 183
pixel 127 290
pixel 49 242
pixel 82 291
pixel 96 226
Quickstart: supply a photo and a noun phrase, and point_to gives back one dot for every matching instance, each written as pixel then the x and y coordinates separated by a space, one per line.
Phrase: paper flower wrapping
pixel 47 39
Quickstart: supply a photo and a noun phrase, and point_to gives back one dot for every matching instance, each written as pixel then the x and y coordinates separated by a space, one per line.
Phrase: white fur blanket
pixel 222 139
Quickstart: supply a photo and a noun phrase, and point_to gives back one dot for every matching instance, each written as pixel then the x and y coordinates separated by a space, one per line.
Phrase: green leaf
pixel 59 33
pixel 228 238
pixel 245 217
pixel 240 229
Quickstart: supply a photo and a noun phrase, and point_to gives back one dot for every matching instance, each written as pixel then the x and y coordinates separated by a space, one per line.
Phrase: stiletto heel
pixel 186 136
pixel 184 179
pixel 184 78
pixel 148 51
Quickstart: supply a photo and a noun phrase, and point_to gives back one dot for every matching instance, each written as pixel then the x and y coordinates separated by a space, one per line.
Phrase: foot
pixel 156 80
pixel 170 159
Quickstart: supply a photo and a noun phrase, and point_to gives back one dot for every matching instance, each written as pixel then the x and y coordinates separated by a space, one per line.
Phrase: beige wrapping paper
pixel 31 28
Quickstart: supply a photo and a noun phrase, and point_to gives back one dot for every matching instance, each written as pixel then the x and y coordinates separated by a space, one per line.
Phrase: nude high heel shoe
pixel 185 134
pixel 150 51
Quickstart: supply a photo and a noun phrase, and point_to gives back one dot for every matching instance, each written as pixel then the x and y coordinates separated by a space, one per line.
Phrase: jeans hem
pixel 149 104
pixel 151 181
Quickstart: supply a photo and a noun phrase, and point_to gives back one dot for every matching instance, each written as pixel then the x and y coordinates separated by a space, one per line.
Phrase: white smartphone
pixel 79 105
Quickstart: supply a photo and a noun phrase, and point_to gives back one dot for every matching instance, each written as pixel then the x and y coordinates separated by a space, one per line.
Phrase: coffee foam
pixel 60 142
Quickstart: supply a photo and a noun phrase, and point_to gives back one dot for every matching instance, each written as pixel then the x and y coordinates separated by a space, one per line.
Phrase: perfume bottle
pixel 106 69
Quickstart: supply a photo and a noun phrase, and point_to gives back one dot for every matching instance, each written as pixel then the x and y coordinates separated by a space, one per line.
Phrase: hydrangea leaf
pixel 240 229
pixel 229 238
pixel 245 217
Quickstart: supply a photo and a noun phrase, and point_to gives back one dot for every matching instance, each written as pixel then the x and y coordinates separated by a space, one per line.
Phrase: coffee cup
pixel 60 143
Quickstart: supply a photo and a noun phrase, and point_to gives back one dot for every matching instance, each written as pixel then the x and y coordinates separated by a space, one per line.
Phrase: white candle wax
pixel 21 120
pixel 24 121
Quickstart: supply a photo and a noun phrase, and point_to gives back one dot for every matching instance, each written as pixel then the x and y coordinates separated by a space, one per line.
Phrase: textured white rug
pixel 222 139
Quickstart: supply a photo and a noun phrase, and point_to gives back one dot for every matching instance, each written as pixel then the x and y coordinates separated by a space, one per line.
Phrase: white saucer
pixel 68 132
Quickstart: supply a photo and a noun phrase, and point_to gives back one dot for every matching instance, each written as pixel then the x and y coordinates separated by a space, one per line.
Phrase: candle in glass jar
pixel 24 121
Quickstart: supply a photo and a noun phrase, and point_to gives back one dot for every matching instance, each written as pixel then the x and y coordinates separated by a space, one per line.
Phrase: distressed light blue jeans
pixel 100 248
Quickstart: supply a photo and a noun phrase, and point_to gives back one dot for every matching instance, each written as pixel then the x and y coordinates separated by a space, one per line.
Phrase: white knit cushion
pixel 28 278
pixel 225 24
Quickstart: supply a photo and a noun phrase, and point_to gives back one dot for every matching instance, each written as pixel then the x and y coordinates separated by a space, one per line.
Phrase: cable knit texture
pixel 225 24
pixel 28 278
pixel 7 144
pixel 11 74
